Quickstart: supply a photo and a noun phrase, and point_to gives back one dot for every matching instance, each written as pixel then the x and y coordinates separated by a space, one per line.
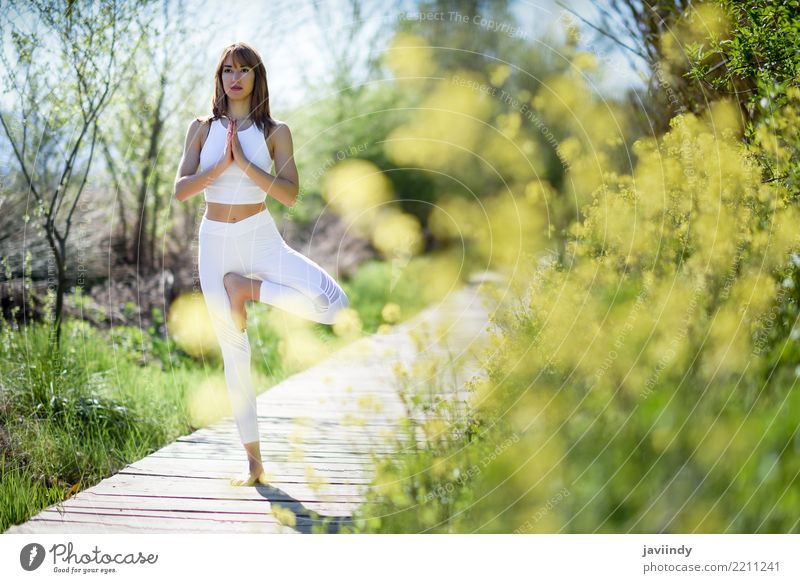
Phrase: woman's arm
pixel 188 181
pixel 284 186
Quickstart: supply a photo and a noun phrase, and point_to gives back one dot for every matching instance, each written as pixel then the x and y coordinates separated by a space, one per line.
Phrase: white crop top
pixel 233 186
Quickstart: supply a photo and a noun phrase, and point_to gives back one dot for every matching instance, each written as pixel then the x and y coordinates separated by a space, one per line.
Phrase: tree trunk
pixel 144 238
pixel 154 220
pixel 60 291
pixel 58 248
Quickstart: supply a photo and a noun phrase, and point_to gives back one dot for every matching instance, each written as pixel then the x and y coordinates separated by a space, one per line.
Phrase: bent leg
pixel 216 257
pixel 294 283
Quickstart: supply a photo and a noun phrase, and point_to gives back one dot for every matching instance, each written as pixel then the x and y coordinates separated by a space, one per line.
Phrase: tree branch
pixel 603 32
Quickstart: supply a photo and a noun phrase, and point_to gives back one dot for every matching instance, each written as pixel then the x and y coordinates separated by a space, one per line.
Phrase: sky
pixel 296 36
pixel 290 38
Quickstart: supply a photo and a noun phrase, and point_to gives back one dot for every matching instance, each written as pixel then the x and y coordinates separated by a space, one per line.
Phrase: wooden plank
pixel 235 451
pixel 285 480
pixel 205 468
pixel 78 512
pixel 344 448
pixel 94 501
pixel 142 523
pixel 309 457
pixel 311 429
pixel 38 525
pixel 202 465
pixel 351 433
pixel 213 488
pixel 167 486
pixel 319 464
pixel 210 503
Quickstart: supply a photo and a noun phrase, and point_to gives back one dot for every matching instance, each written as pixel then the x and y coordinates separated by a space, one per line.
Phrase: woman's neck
pixel 238 111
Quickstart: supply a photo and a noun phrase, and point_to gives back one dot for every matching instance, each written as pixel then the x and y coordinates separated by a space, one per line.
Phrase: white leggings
pixel 253 247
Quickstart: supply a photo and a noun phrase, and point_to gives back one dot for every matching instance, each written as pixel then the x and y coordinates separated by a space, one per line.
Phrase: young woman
pixel 234 149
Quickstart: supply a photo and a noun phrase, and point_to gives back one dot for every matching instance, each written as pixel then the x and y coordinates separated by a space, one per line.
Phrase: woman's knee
pixel 331 310
pixel 217 304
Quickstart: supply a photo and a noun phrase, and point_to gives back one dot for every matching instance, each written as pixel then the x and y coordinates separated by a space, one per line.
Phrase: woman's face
pixel 237 82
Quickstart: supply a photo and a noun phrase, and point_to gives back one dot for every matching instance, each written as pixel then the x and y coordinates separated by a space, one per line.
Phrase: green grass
pixel 73 416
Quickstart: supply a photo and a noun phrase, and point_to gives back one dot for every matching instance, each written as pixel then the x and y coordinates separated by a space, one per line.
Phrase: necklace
pixel 239 120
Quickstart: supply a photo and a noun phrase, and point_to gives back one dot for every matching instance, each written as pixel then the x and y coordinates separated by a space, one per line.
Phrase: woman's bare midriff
pixel 231 213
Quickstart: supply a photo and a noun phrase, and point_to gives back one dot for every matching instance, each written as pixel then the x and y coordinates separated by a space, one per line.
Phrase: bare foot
pixel 238 287
pixel 250 478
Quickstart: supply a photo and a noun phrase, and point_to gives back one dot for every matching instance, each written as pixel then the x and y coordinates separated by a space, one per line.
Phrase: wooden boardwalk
pixel 319 429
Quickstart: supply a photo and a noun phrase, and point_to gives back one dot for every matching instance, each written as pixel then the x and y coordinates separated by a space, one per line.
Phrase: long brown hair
pixel 244 54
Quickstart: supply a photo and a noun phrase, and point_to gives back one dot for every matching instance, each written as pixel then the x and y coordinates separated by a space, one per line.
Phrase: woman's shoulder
pixel 203 120
pixel 279 128
pixel 276 128
pixel 201 127
pixel 198 123
pixel 273 126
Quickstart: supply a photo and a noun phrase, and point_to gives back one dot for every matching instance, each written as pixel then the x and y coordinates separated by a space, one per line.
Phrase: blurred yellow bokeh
pixel 356 189
pixel 397 234
pixel 408 55
pixel 208 402
pixel 190 326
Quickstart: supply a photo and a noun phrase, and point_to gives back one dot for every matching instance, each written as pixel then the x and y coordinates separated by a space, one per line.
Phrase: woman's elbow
pixel 179 191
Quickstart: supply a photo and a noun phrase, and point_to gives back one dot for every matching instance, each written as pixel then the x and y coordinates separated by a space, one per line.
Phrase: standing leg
pixel 218 255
